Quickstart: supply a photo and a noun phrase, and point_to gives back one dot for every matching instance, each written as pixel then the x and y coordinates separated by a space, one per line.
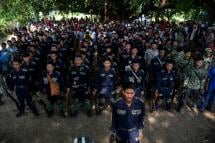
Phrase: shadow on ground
pixel 165 127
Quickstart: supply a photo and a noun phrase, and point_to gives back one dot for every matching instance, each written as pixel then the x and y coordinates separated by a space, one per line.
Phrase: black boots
pixel 1 102
pixel 19 114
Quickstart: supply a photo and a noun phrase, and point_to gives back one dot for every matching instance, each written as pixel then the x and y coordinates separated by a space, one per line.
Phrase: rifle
pixel 96 100
pixel 67 105
pixel 181 99
pixel 68 101
pixel 41 102
pixel 112 138
pixel 4 87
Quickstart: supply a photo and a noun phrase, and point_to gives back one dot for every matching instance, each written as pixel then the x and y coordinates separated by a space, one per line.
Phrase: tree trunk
pixel 210 4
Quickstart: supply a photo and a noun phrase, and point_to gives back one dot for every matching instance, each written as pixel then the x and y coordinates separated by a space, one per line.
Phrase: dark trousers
pixel 166 94
pixel 186 95
pixel 81 98
pixel 58 100
pixel 23 95
pixel 127 136
pixel 208 101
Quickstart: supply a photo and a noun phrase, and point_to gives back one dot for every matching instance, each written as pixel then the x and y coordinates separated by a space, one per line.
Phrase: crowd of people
pixel 78 64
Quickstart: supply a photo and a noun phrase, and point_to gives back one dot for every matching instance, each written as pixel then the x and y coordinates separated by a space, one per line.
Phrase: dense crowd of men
pixel 86 59
pixel 78 64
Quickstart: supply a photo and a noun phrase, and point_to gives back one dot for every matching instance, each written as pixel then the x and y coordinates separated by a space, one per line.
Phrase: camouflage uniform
pixel 208 60
pixel 182 66
pixel 169 49
pixel 194 83
pixel 208 63
pixel 175 55
pixel 180 39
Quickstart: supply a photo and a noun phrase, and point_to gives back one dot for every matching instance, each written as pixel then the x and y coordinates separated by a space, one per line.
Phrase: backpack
pixel 54 86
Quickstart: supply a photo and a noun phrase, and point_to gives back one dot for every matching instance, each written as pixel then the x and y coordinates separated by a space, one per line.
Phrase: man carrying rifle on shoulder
pixel 20 83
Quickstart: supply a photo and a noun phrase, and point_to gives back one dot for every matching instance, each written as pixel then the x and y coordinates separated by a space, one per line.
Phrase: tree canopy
pixel 24 10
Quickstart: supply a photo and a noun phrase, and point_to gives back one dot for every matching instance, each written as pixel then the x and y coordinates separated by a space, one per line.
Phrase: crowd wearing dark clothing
pixel 78 64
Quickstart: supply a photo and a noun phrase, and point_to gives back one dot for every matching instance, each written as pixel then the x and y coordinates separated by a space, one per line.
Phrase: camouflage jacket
pixel 182 66
pixel 195 78
pixel 208 63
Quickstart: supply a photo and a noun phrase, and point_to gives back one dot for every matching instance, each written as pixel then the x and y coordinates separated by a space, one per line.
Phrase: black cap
pixel 134 47
pixel 54 52
pixel 199 58
pixel 3 43
pixel 17 60
pixel 162 49
pixel 136 61
pixel 187 50
pixel 50 63
pixel 169 61
pixel 154 42
pixel 83 47
pixel 107 59
pixel 86 40
pixel 128 86
pixel 25 55
pixel 83 53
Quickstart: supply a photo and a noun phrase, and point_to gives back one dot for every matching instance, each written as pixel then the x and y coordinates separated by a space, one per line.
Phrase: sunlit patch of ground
pixel 165 127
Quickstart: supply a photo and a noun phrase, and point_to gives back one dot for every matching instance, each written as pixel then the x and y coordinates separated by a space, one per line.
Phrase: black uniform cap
pixel 162 49
pixel 199 58
pixel 134 47
pixel 128 86
pixel 107 59
pixel 136 61
pixel 169 61
pixel 25 55
pixel 187 50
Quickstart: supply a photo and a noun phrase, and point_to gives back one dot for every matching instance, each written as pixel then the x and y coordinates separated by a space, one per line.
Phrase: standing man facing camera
pixel 127 118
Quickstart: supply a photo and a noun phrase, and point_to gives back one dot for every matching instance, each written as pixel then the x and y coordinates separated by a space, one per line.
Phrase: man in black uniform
pixel 78 85
pixel 28 66
pixel 52 85
pixel 127 118
pixel 20 82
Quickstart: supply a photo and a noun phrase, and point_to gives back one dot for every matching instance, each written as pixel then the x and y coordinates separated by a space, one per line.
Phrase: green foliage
pixel 12 11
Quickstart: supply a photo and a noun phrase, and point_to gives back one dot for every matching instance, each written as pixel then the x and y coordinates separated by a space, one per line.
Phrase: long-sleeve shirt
pixel 125 117
pixel 78 77
pixel 55 76
pixel 165 80
pixel 137 81
pixel 195 79
pixel 105 83
pixel 19 78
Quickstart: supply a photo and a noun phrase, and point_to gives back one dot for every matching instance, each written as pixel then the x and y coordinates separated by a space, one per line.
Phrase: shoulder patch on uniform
pixel 118 100
pixel 58 73
pixel 141 100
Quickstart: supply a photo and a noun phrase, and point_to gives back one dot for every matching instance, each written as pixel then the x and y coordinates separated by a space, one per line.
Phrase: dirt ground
pixel 165 127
